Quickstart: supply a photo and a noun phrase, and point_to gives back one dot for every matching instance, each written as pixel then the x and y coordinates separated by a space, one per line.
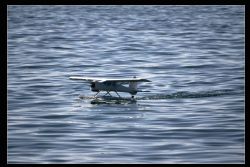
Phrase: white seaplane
pixel 115 85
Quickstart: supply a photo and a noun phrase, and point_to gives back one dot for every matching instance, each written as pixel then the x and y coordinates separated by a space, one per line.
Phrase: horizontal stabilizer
pixel 143 91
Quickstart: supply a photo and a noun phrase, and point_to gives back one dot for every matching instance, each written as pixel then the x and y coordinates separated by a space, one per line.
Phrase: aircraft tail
pixel 133 85
pixel 143 91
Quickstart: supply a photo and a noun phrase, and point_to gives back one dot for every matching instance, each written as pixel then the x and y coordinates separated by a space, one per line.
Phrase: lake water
pixel 194 56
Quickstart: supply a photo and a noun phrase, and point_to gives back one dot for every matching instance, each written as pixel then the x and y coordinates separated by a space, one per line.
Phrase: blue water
pixel 194 56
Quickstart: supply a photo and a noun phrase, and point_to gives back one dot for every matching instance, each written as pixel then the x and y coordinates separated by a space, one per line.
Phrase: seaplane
pixel 113 85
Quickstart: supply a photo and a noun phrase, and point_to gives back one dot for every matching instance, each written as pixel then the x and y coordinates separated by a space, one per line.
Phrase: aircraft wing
pixel 126 80
pixel 85 79
pixel 110 80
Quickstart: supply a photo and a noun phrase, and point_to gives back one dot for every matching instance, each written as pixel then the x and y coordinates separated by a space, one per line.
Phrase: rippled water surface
pixel 194 56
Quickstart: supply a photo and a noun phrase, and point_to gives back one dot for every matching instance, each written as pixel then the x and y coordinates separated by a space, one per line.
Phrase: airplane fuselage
pixel 112 86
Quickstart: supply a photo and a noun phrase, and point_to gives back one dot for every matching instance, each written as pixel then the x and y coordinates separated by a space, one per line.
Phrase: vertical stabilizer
pixel 133 85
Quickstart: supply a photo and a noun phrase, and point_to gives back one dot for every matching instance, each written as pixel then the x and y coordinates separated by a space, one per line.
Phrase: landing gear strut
pixel 107 94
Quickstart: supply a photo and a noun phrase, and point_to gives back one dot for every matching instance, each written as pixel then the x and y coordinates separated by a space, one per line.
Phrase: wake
pixel 186 94
pixel 176 95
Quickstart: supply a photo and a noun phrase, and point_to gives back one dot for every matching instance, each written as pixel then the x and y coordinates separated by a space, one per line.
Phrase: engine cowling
pixel 93 87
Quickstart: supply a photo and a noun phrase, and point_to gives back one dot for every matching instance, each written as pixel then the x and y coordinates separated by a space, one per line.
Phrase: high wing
pixel 86 79
pixel 110 80
pixel 127 80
